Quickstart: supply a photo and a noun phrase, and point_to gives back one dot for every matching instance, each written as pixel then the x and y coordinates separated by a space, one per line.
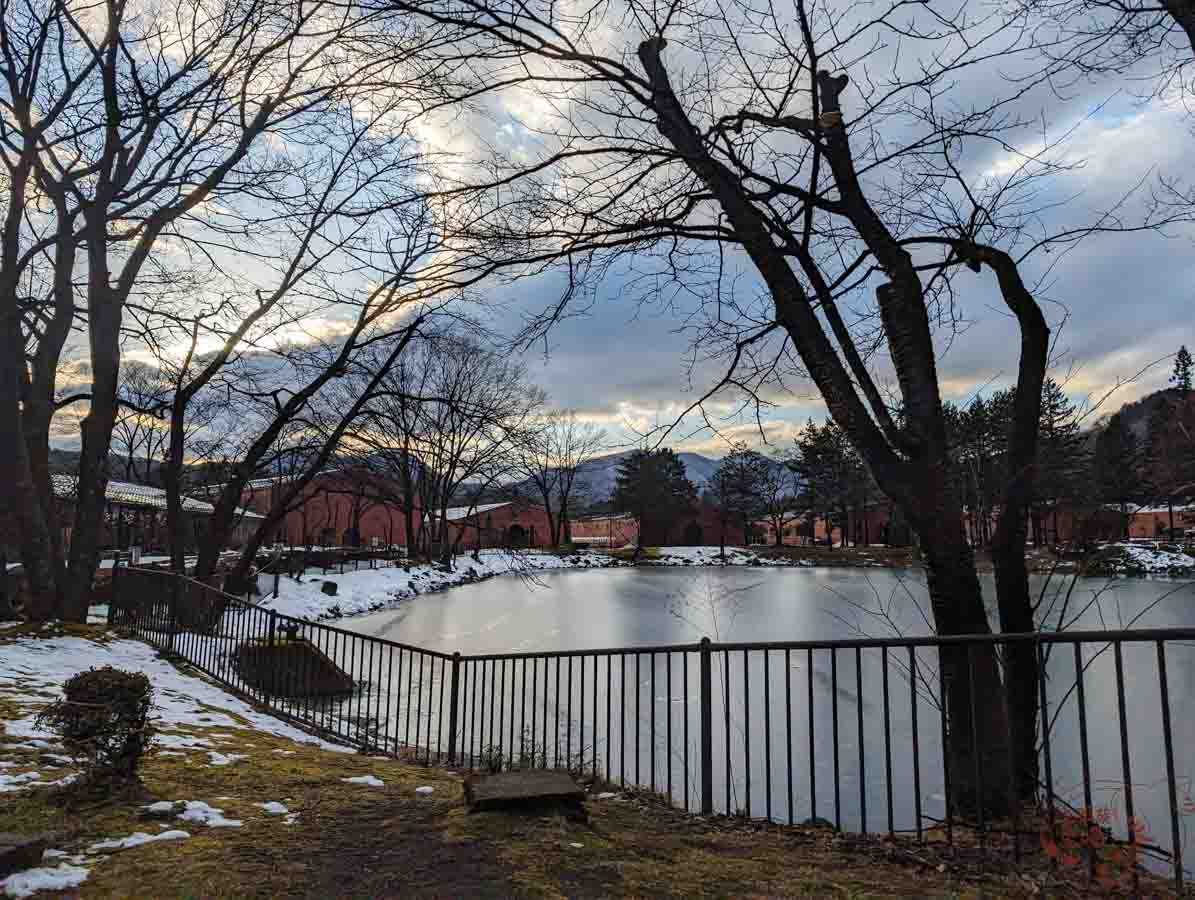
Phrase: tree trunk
pixel 104 315
pixel 977 719
pixel 172 475
pixel 1183 12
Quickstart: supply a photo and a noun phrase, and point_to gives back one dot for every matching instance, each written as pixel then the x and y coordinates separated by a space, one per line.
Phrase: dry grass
pixel 358 841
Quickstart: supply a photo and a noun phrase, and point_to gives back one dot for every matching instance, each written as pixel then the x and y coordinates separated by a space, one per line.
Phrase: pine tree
pixel 1181 377
pixel 1117 465
pixel 1061 454
pixel 653 486
pixel 737 488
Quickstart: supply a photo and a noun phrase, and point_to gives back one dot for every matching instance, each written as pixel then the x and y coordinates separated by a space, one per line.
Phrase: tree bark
pixel 1008 543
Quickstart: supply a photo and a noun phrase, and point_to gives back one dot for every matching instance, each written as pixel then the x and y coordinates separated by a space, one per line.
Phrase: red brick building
pixel 353 508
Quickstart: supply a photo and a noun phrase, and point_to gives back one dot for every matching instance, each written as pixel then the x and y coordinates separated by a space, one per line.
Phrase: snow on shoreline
pixel 369 590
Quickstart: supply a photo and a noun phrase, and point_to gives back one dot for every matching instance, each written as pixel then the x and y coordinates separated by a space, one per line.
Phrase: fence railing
pixel 849 733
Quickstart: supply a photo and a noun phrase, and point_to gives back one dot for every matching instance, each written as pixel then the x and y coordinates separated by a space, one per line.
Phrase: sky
pixel 1119 305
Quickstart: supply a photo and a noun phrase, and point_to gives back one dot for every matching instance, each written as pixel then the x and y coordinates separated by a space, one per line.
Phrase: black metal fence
pixel 848 732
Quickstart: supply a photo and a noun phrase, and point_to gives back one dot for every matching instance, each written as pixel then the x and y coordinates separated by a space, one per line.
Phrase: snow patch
pixel 222 759
pixel 364 779
pixel 29 882
pixel 273 808
pixel 136 839
pixel 198 811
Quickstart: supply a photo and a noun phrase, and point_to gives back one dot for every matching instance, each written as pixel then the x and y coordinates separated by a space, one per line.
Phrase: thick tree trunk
pixel 173 480
pixel 22 501
pixel 1183 12
pixel 977 719
pixel 104 315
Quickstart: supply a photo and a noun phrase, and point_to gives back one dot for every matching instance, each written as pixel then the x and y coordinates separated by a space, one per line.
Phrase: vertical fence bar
pixel 788 729
pixel 887 742
pixel 726 717
pixel 652 708
pixel 622 739
pixel 859 734
pixel 668 721
pixel 834 718
pixel 1044 703
pixel 812 758
pixel 593 732
pixel 1168 740
pixel 767 735
pixel 638 745
pixel 684 662
pixel 609 689
pixel 916 743
pixel 581 723
pixel 1124 759
pixel 707 730
pixel 747 730
pixel 556 720
pixel 946 727
pixel 568 720
pixel 976 746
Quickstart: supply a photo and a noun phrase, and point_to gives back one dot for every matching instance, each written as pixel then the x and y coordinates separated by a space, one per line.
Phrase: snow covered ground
pixel 37 668
pixel 187 712
pixel 373 589
pixel 1138 559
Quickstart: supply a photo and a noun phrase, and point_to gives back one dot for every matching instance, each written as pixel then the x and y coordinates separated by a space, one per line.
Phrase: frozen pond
pixel 635 716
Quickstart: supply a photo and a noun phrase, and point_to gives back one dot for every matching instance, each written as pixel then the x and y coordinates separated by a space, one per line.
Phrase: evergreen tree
pixel 833 476
pixel 737 488
pixel 1062 455
pixel 1169 460
pixel 1181 377
pixel 653 486
pixel 1117 466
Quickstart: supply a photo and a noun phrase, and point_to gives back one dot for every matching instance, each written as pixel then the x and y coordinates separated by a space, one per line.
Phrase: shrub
pixel 104 721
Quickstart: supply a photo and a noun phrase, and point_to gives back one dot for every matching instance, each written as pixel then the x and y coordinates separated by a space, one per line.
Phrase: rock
pixel 163 809
pixel 19 852
pixel 329 588
pixel 818 822
pixel 527 788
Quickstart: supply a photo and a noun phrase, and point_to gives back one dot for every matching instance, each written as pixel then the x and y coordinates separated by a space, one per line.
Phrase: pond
pixel 796 735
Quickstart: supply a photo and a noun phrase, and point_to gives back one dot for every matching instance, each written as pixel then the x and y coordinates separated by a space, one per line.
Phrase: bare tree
pixel 445 426
pixel 138 434
pixel 551 461
pixel 126 131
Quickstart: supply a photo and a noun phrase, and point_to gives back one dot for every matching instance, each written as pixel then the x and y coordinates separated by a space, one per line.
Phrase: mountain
pixel 599 475
pixel 1136 416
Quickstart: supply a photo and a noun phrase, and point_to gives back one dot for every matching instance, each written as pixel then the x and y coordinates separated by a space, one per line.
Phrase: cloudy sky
pixel 1118 304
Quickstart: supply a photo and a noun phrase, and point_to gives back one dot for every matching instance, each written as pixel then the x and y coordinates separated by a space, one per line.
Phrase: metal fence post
pixel 707 731
pixel 115 583
pixel 454 705
pixel 273 626
pixel 174 604
pixel 277 576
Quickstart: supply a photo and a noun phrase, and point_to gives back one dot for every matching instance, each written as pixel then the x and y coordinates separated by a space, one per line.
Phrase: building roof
pixel 126 493
pixel 456 513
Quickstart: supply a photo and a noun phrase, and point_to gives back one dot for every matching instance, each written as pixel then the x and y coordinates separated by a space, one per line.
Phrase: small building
pixel 135 516
pixel 610 531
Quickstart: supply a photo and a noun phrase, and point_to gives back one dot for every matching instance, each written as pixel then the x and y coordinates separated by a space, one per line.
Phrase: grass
pixel 358 841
